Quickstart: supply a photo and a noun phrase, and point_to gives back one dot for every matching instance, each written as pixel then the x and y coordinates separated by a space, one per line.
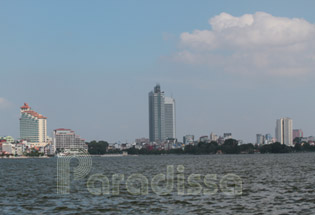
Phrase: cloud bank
pixel 252 44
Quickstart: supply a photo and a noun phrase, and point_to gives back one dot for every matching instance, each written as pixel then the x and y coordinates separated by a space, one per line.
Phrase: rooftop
pixel 35 114
pixel 27 109
pixel 25 106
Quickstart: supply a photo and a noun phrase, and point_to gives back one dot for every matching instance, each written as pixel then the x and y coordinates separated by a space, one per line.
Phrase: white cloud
pixel 4 103
pixel 252 43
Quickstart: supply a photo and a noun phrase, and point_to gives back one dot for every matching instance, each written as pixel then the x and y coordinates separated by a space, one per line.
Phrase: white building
pixel 8 148
pixel 65 139
pixel 20 148
pixel 260 139
pixel 170 126
pixel 7 139
pixel 33 126
pixel 213 137
pixel 284 133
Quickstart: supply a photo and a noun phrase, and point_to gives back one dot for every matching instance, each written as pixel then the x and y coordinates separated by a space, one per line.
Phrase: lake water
pixel 271 184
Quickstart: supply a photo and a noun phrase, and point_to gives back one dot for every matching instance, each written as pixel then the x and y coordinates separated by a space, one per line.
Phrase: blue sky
pixel 89 65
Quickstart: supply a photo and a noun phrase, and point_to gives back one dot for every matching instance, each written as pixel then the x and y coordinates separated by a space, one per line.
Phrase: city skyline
pixel 92 72
pixel 33 126
pixel 157 107
pixel 284 133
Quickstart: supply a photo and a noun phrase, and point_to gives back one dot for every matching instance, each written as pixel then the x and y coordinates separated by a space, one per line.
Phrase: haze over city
pixel 228 68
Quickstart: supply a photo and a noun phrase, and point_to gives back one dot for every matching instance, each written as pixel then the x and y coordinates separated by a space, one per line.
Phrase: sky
pixel 232 66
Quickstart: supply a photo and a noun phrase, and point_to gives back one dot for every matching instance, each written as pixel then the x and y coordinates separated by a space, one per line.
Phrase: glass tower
pixel 161 116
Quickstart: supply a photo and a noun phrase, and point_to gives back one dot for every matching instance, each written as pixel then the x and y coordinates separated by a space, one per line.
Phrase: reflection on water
pixel 272 184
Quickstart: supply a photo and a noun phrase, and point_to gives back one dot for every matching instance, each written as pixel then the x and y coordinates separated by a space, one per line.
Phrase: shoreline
pixel 24 157
pixel 136 155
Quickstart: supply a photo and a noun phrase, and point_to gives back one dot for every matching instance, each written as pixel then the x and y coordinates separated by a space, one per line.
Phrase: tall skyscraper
pixel 156 115
pixel 170 127
pixel 33 126
pixel 284 131
pixel 162 121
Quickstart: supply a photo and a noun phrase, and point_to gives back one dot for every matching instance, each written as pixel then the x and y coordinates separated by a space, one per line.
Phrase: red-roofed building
pixel 33 126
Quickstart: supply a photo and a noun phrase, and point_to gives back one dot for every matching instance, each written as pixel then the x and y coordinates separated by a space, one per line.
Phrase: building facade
pixel 7 139
pixel 213 137
pixel 33 126
pixel 162 119
pixel 8 148
pixel 227 136
pixel 260 139
pixel 170 126
pixel 204 139
pixel 268 139
pixel 297 133
pixel 284 131
pixel 188 139
pixel 65 139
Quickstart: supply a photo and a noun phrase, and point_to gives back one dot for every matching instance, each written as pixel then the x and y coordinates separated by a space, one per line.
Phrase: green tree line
pixel 230 146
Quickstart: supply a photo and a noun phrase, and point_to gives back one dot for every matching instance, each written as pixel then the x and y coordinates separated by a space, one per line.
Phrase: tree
pixel 97 148
pixel 133 151
pixel 265 149
pixel 297 140
pixel 247 148
pixel 230 146
pixel 275 148
pixel 213 147
pixel 190 149
pixel 298 147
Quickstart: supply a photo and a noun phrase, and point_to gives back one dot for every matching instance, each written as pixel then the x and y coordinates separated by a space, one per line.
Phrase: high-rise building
pixel 162 121
pixel 67 139
pixel 260 139
pixel 170 127
pixel 213 137
pixel 156 115
pixel 33 126
pixel 268 139
pixel 297 133
pixel 284 131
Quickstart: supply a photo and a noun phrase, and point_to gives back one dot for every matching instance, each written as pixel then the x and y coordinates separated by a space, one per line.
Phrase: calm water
pixel 272 184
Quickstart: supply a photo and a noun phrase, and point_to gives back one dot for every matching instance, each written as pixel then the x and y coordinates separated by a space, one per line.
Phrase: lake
pixel 270 184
